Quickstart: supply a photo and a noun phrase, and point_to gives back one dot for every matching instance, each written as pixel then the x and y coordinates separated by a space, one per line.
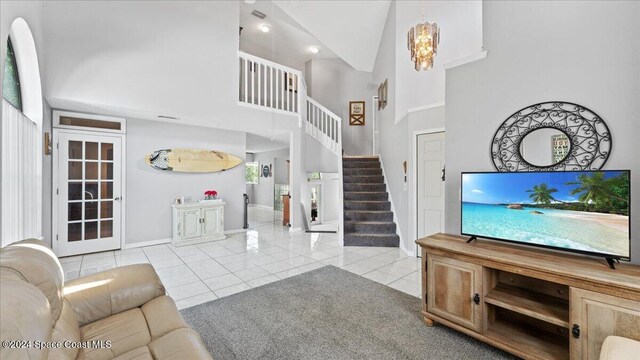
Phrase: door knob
pixel 118 198
pixel 476 299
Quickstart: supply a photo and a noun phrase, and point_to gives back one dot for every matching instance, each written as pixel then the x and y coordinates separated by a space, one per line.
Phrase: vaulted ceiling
pixel 287 43
pixel 352 29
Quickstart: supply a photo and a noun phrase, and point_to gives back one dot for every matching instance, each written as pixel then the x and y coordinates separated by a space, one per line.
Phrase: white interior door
pixel 89 193
pixel 430 171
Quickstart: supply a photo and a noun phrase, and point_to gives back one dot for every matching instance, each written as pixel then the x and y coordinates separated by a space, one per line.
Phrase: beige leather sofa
pixel 619 348
pixel 122 313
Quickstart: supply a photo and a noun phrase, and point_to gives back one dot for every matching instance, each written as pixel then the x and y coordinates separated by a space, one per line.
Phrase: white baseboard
pixel 406 251
pixel 236 231
pixel 168 240
pixel 147 243
pixel 261 206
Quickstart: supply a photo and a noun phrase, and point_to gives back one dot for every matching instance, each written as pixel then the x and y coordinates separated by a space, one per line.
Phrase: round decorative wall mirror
pixel 551 136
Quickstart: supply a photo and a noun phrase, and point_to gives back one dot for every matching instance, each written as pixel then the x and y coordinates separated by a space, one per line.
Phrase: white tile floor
pixel 266 253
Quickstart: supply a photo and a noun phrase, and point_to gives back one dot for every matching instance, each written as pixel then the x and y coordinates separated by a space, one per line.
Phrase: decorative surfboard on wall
pixel 192 160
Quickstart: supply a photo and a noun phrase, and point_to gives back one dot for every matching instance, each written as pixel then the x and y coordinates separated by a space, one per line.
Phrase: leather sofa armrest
pixel 619 348
pixel 110 292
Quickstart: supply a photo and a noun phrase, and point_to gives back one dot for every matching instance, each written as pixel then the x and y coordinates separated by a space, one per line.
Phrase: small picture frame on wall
pixel 356 113
pixel 382 95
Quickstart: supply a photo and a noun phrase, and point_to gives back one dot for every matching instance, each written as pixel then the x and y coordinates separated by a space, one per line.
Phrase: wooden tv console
pixel 533 303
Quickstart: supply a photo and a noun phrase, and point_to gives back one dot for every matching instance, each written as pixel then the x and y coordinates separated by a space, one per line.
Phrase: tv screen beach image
pixel 582 211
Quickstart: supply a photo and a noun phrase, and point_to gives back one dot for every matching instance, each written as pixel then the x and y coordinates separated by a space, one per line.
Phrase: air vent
pixel 167 117
pixel 258 14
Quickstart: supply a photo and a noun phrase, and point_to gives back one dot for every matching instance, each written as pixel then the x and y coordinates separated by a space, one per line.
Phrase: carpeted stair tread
pixel 366 195
pixel 361 164
pixel 370 227
pixel 366 179
pixel 381 240
pixel 361 171
pixel 367 205
pixel 356 215
pixel 364 187
pixel 361 159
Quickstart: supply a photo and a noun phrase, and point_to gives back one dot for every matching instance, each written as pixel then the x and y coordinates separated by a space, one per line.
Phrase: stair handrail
pixel 244 55
pixel 321 107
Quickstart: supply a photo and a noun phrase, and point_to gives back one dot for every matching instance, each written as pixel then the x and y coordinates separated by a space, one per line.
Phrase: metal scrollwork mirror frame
pixel 588 134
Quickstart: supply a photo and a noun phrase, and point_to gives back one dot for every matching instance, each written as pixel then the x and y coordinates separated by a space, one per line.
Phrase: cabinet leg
pixel 428 321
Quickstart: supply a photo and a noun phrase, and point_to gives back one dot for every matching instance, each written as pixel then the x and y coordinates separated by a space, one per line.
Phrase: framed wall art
pixel 382 94
pixel 356 113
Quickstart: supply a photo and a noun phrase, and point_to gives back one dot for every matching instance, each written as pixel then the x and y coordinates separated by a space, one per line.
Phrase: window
pixel 252 172
pixel 21 144
pixel 11 83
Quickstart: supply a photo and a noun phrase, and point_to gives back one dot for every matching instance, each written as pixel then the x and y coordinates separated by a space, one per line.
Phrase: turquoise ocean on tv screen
pixel 550 229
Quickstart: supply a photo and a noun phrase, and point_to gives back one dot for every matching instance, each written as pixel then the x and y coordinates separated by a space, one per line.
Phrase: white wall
pixel 333 83
pixel 142 59
pixel 536 52
pixel 393 138
pixel 318 158
pixel 263 191
pixel 281 169
pixel 151 192
pixel 460 25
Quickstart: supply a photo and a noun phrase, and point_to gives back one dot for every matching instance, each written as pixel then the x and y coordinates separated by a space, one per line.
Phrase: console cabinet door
pixel 213 222
pixel 451 288
pixel 597 316
pixel 191 223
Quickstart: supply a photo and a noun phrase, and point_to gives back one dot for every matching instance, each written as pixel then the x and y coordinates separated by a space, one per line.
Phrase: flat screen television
pixel 578 211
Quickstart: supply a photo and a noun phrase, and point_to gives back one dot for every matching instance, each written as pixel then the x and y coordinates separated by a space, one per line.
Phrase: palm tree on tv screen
pixel 592 189
pixel 595 189
pixel 541 194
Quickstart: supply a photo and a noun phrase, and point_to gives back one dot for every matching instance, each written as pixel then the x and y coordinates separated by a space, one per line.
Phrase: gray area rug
pixel 328 313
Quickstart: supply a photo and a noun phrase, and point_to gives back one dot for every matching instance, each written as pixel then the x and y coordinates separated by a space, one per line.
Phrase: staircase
pixel 272 87
pixel 368 219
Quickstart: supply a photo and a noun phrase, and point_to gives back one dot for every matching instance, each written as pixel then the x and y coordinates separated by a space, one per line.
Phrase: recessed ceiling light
pixel 265 28
pixel 314 49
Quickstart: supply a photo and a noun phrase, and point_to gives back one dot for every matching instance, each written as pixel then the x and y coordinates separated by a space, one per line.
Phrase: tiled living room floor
pixel 266 253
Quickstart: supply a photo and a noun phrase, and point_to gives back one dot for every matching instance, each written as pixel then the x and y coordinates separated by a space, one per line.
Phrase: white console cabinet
pixel 197 222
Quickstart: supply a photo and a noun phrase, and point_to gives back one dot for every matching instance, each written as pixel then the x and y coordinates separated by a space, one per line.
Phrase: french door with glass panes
pixel 89 193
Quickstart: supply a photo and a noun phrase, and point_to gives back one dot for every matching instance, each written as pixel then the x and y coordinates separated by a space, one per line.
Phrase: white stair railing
pixel 268 85
pixel 324 126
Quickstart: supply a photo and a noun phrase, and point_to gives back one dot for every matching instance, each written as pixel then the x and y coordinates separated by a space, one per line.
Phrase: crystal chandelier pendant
pixel 422 42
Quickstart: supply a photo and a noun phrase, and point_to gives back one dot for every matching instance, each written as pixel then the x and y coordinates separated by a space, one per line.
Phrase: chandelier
pixel 422 42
